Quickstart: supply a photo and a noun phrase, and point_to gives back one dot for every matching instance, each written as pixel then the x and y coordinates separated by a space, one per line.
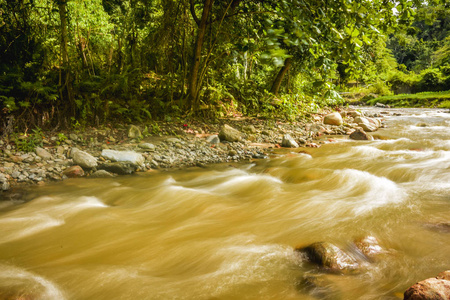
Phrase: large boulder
pixel 330 257
pixel 333 119
pixel 289 142
pixel 230 134
pixel 84 159
pixel 121 168
pixel 124 156
pixel 430 289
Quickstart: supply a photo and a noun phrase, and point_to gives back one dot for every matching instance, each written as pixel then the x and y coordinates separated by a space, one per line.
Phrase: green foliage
pixel 28 143
pixel 61 138
pixel 424 99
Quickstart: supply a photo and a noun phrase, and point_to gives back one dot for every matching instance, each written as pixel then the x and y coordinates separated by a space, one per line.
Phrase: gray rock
pixel 121 168
pixel 73 137
pixel 84 159
pixel 124 156
pixel 44 154
pixel 213 139
pixel 366 124
pixel 330 257
pixel 430 289
pixel 333 119
pixel 4 184
pixel 250 129
pixel 230 134
pixel 133 132
pixel 289 142
pixel 147 146
pixel 101 174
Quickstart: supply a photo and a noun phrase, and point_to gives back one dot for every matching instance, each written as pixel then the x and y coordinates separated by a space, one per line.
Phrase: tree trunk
pixel 279 79
pixel 194 82
pixel 65 76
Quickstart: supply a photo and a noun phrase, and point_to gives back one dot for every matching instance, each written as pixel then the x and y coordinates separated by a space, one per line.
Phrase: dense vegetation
pixel 67 63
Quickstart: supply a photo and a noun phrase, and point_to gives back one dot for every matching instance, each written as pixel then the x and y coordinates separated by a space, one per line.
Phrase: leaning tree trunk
pixel 194 79
pixel 65 77
pixel 279 79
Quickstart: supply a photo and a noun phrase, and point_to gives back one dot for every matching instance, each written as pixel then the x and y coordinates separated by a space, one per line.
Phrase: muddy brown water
pixel 228 232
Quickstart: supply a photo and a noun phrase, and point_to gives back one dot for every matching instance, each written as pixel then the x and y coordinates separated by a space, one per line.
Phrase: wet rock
pixel 369 247
pixel 120 168
pixel 73 172
pixel 44 154
pixel 101 174
pixel 230 134
pixel 422 125
pixel 430 289
pixel 366 124
pixel 360 135
pixel 333 119
pixel 133 132
pixel 289 142
pixel 124 156
pixel 318 286
pixel 213 139
pixel 147 146
pixel 354 113
pixel 442 227
pixel 84 159
pixel 249 129
pixel 330 257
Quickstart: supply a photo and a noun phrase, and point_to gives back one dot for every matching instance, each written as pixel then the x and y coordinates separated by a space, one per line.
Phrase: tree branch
pixel 194 16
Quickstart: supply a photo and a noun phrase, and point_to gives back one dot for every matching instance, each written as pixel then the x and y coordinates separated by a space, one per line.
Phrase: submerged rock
pixel 369 247
pixel 360 135
pixel 333 119
pixel 229 134
pixel 367 124
pixel 318 286
pixel 430 289
pixel 330 257
pixel 121 168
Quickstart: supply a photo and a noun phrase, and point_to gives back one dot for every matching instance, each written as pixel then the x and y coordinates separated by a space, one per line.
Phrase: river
pixel 229 231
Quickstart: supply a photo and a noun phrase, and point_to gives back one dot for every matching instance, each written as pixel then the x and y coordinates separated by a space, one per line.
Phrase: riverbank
pixel 121 150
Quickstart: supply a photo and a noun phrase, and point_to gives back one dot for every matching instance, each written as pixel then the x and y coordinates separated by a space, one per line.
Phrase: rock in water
pixel 121 168
pixel 329 256
pixel 366 124
pixel 101 174
pixel 369 246
pixel 333 119
pixel 360 135
pixel 430 289
pixel 74 171
pixel 124 156
pixel 228 133
pixel 44 154
pixel 84 159
pixel 133 132
pixel 289 142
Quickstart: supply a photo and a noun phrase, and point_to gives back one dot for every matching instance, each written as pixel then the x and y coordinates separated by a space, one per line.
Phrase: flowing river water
pixel 228 232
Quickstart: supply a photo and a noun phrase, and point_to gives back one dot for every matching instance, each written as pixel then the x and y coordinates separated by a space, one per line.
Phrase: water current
pixel 229 231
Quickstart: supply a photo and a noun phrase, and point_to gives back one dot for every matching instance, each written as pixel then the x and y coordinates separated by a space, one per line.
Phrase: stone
pixel 249 129
pixel 330 257
pixel 213 139
pixel 101 174
pixel 333 119
pixel 84 159
pixel 133 132
pixel 289 142
pixel 360 135
pixel 124 156
pixel 147 146
pixel 437 288
pixel 44 154
pixel 230 134
pixel 73 172
pixel 4 183
pixel 354 113
pixel 121 168
pixel 366 124
pixel 73 137
pixel 60 150
pixel 369 247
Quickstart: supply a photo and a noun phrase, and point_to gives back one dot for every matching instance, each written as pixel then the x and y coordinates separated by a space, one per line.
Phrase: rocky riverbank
pixel 121 150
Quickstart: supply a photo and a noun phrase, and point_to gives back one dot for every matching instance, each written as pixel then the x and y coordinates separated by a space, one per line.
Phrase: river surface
pixel 228 232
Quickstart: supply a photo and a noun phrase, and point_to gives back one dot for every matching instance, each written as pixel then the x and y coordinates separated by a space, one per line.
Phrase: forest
pixel 75 63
